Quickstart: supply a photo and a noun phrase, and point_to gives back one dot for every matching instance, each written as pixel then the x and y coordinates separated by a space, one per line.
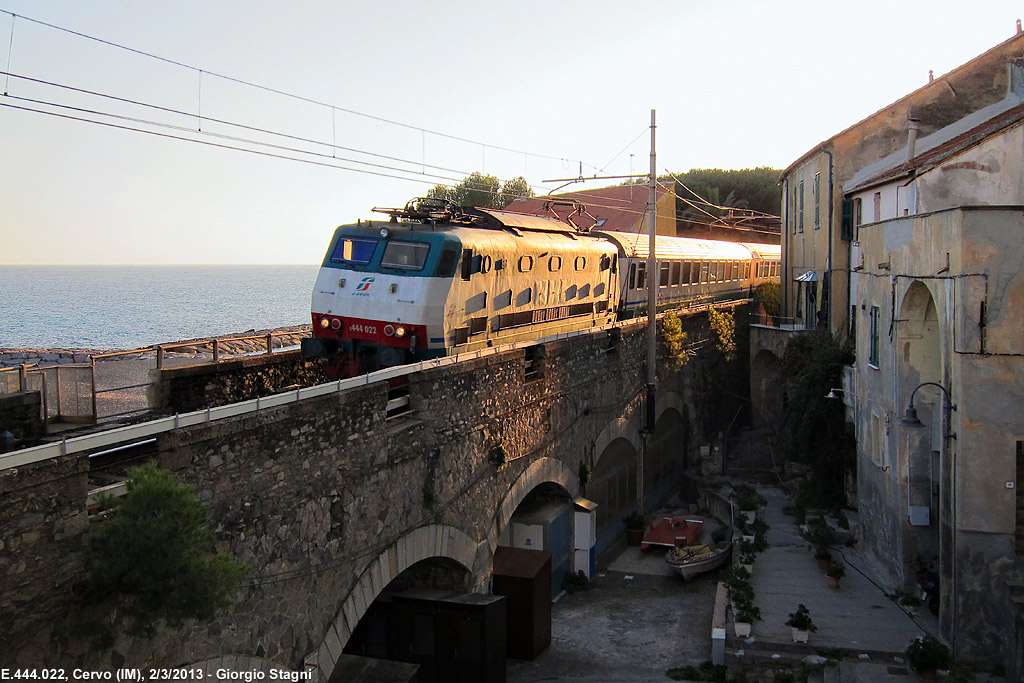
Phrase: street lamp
pixel 910 418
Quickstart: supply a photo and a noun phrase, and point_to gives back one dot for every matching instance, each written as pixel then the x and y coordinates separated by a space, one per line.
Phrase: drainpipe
pixel 831 285
pixel 786 256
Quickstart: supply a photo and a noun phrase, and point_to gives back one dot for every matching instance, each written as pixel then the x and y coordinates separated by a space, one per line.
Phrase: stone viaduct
pixel 328 500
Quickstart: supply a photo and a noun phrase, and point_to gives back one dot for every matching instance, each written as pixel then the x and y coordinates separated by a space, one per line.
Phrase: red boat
pixel 671 532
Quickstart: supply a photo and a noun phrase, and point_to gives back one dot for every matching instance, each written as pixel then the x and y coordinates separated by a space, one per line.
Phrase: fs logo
pixel 363 287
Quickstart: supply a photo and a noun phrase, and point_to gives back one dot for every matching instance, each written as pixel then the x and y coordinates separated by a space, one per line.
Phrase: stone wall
pixel 19 416
pixel 312 494
pixel 195 387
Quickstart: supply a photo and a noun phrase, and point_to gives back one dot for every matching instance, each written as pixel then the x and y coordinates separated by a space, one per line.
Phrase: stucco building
pixel 815 243
pixel 937 311
pixel 905 233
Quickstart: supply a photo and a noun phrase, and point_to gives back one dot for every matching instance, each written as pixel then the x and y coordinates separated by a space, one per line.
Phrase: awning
pixel 809 276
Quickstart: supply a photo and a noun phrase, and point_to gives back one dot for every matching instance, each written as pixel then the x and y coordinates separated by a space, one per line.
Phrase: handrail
pixel 27 456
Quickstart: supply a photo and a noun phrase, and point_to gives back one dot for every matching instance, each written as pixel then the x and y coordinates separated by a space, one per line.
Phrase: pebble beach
pixel 283 337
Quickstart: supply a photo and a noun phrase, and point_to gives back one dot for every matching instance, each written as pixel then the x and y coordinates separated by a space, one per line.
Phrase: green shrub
pixel 155 556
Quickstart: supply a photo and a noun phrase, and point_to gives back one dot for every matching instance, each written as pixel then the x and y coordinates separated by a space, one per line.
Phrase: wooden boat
pixel 690 560
pixel 670 531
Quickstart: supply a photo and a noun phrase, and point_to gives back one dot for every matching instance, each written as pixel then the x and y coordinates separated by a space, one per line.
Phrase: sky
pixel 428 92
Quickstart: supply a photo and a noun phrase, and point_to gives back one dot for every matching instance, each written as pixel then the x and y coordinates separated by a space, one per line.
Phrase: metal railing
pixel 116 385
pixel 780 322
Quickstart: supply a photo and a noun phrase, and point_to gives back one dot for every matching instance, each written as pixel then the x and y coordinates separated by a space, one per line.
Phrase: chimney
pixel 912 128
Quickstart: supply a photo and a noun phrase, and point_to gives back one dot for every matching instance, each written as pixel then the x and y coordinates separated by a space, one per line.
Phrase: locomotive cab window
pixel 555 263
pixel 354 250
pixel 580 263
pixel 525 264
pixel 405 255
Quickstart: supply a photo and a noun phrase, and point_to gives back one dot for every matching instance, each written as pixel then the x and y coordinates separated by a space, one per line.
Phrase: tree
pixel 484 191
pixel 752 188
pixel 812 364
pixel 156 557
pixel 723 324
pixel 674 342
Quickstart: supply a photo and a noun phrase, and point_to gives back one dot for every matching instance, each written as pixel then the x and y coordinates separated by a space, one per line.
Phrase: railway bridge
pixel 332 500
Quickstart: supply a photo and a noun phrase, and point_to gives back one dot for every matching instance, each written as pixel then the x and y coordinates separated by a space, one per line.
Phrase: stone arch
pixel 619 428
pixel 433 540
pixel 919 359
pixel 667 401
pixel 920 343
pixel 539 471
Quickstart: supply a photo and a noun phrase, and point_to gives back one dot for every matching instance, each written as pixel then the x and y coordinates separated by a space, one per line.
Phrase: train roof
pixel 637 245
pixel 765 251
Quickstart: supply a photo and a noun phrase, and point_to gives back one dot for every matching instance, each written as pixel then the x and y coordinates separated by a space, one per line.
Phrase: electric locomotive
pixel 438 279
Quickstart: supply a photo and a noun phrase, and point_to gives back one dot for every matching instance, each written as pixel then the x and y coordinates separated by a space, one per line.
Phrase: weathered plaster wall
pixel 988 174
pixel 973 519
pixel 972 86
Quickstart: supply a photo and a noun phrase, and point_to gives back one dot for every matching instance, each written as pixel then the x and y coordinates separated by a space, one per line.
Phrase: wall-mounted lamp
pixel 910 418
pixel 832 393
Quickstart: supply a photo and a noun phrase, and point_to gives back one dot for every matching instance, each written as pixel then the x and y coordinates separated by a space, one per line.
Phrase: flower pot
pixel 800 636
pixel 833 582
pixel 823 563
pixel 742 629
pixel 634 536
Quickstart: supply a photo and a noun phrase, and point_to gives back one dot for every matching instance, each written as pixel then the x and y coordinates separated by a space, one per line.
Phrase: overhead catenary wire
pixel 275 91
pixel 208 132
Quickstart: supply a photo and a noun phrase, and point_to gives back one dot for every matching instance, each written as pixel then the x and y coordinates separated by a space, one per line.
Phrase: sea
pixel 129 307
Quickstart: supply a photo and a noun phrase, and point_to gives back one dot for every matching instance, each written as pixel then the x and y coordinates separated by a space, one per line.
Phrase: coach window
pixel 555 263
pixel 746 270
pixel 580 262
pixel 641 279
pixel 705 272
pixel 686 272
pixel 663 275
pixel 632 276
pixel 675 273
pixel 721 270
pixel 525 264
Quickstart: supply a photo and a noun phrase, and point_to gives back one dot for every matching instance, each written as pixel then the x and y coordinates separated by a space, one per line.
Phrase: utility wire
pixel 207 142
pixel 210 133
pixel 275 91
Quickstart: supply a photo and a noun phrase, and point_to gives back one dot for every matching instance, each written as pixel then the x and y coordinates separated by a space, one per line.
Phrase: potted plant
pixel 634 523
pixel 801 623
pixel 927 655
pixel 748 500
pixel 744 614
pixel 835 572
pixel 747 561
pixel 823 557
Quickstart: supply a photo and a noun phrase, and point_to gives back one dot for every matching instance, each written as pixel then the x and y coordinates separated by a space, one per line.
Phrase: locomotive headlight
pixel 385 233
pixel 389 330
pixel 324 322
pixel 399 331
pixel 336 323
